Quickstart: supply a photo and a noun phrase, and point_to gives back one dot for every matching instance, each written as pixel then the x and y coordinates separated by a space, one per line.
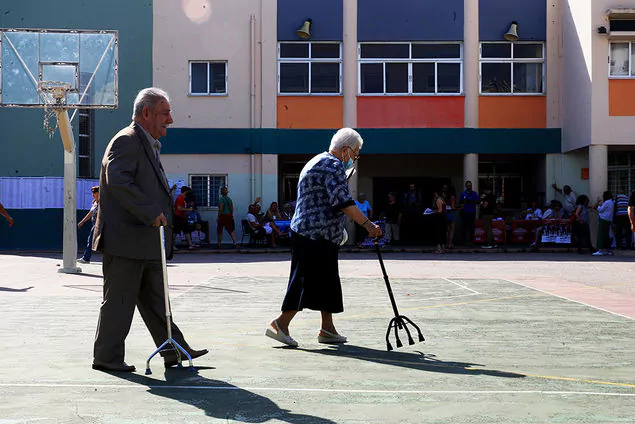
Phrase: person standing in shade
pixel 468 201
pixel 393 218
pixel 317 230
pixel 570 199
pixel 225 217
pixel 364 206
pixel 412 210
pixel 623 235
pixel 92 215
pixel 6 215
pixel 605 208
pixel 134 201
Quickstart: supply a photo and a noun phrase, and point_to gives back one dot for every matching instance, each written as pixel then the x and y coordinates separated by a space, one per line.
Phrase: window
pixel 512 68
pixel 310 68
pixel 621 57
pixel 85 143
pixel 410 68
pixel 208 78
pixel 621 172
pixel 206 188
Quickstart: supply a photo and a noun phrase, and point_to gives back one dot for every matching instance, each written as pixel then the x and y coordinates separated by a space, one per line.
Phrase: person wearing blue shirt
pixel 468 202
pixel 364 206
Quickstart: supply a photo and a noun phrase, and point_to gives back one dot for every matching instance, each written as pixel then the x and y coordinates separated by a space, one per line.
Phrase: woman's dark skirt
pixel 314 281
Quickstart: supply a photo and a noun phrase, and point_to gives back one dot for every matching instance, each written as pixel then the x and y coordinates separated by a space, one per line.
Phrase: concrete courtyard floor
pixel 510 338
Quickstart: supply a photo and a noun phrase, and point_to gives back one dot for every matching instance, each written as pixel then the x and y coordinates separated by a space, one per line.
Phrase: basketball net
pixel 53 94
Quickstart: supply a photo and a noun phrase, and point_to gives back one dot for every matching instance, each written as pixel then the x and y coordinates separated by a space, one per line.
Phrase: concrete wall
pixel 327 16
pixel 614 130
pixel 495 17
pixel 224 35
pixel 577 71
pixel 410 20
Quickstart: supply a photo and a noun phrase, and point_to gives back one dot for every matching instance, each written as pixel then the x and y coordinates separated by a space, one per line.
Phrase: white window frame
pixel 208 94
pixel 309 60
pixel 210 194
pixel 410 61
pixel 511 62
pixel 630 61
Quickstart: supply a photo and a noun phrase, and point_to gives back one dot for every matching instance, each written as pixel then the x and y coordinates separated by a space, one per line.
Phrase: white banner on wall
pixel 42 192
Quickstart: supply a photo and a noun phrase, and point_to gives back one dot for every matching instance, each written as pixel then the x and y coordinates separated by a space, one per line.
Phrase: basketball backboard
pixel 83 60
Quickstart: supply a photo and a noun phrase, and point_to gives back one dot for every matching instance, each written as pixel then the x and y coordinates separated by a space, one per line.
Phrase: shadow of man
pixel 416 360
pixel 218 399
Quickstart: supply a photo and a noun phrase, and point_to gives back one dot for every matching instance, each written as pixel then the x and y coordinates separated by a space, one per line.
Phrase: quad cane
pixel 399 322
pixel 168 314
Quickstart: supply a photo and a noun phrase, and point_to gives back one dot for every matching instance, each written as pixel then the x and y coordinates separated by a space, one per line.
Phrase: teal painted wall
pixel 376 141
pixel 26 147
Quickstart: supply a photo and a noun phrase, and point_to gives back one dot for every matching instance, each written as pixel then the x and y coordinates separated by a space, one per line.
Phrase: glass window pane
pixel 496 78
pixel 294 77
pixel 372 78
pixel 527 77
pixel 449 77
pixel 200 189
pixel 436 51
pixel 294 50
pixel 385 51
pixel 325 77
pixel 619 59
pixel 632 57
pixel 527 51
pixel 423 78
pixel 325 50
pixel 396 78
pixel 217 74
pixel 199 78
pixel 496 50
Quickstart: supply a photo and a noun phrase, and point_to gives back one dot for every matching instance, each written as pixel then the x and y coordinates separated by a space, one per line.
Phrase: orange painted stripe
pixel 621 95
pixel 512 112
pixel 310 112
pixel 410 112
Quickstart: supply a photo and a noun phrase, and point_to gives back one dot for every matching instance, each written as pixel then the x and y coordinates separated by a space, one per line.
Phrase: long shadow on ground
pixel 218 399
pixel 417 360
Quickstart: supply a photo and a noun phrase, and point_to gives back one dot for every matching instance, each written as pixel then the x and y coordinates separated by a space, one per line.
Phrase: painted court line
pixel 580 300
pixel 315 390
pixel 460 285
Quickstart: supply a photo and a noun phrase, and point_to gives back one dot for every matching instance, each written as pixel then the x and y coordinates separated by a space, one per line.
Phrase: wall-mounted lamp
pixel 304 31
pixel 512 33
pixel 602 30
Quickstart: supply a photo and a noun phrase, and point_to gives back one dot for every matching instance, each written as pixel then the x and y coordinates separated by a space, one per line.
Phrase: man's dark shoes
pixel 117 367
pixel 170 357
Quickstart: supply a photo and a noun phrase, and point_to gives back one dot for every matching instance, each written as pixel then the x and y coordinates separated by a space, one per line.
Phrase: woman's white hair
pixel 346 137
pixel 148 97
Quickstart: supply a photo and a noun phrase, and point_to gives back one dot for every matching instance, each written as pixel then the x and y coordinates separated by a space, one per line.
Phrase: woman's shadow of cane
pixel 217 398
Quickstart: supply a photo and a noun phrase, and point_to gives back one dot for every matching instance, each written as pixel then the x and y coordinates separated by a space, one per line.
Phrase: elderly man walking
pixel 134 201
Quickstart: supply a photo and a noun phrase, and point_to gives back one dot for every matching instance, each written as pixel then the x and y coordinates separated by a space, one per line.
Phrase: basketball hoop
pixel 53 94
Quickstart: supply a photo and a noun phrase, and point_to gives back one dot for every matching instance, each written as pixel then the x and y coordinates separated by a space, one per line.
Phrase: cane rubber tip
pixel 421 339
pixel 148 372
pixel 410 341
pixel 389 347
pixel 399 344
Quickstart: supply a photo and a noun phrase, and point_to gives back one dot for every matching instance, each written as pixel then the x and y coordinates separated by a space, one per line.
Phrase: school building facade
pixel 440 92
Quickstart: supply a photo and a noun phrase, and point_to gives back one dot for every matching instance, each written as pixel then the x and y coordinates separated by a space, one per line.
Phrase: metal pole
pixel 70 188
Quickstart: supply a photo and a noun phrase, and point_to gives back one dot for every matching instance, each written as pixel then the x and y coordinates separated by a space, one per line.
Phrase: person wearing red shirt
pixel 180 216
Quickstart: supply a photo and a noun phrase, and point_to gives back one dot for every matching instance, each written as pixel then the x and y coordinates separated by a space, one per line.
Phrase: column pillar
pixel 470 170
pixel 598 171
pixel 470 62
pixel 349 89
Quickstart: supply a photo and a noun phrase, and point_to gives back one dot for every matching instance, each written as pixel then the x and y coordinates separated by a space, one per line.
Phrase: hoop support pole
pixel 70 203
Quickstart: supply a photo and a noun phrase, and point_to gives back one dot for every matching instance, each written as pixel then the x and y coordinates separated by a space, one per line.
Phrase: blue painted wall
pixel 327 16
pixel 31 152
pixel 495 16
pixel 410 20
pixel 377 141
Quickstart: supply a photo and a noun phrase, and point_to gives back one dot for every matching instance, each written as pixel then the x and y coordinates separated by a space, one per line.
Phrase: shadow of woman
pixel 9 289
pixel 217 398
pixel 417 360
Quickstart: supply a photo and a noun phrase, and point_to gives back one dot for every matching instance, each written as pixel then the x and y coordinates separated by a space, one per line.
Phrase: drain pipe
pixel 252 102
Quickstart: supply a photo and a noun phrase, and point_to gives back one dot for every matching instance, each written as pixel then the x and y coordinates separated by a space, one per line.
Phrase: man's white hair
pixel 148 97
pixel 346 137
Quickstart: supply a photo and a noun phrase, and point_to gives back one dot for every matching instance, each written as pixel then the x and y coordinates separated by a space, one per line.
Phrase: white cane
pixel 168 313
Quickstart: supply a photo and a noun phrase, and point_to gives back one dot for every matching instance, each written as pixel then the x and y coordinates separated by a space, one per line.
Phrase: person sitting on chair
pixel 260 231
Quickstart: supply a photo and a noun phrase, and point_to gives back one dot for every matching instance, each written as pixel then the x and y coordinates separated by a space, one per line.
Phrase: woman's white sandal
pixel 331 338
pixel 280 336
